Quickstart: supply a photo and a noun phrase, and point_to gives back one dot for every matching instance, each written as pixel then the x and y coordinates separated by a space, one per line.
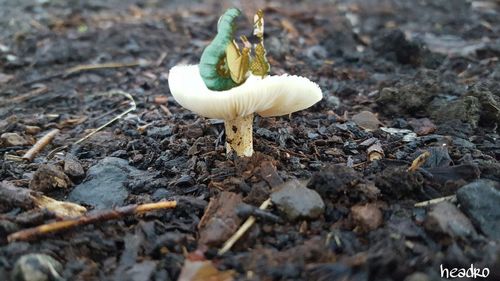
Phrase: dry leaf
pixel 203 271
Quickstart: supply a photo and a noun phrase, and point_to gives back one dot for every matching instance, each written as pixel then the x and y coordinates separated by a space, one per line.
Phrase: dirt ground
pixel 400 79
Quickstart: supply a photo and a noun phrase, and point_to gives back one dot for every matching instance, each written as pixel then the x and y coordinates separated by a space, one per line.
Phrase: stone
pixel 480 200
pixel 104 186
pixel 366 120
pixel 490 103
pixel 297 201
pixel 422 126
pixel 36 267
pixel 333 102
pixel 72 166
pixel 160 132
pixel 142 271
pixel 466 109
pixel 446 218
pixel 13 139
pixel 49 177
pixel 367 217
pixel 162 193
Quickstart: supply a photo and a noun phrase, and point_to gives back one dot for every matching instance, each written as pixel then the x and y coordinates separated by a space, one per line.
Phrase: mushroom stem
pixel 239 135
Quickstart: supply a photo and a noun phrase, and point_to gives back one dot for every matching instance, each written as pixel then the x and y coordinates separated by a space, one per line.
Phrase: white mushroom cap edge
pixel 270 96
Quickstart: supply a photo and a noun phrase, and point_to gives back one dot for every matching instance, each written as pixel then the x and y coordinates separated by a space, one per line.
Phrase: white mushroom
pixel 269 96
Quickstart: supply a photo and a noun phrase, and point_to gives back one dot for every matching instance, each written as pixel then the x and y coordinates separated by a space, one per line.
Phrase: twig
pixel 80 68
pixel 133 106
pixel 243 228
pixel 30 233
pixel 451 198
pixel 160 60
pixel 14 196
pixel 61 209
pixel 166 110
pixel 86 67
pixel 26 96
pixel 40 145
pixel 27 199
pixel 419 161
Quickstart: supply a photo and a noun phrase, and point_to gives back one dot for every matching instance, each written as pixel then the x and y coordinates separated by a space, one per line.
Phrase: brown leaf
pixel 14 139
pixel 220 220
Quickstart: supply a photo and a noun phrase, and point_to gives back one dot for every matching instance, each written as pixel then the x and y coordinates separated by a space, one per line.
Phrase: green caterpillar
pixel 213 66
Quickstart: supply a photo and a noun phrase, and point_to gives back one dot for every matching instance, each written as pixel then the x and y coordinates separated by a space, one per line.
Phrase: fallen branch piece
pixel 30 233
pixel 22 97
pixel 40 145
pixel 28 199
pixel 13 196
pixel 244 227
pixel 86 67
pixel 132 107
pixel 451 198
pixel 59 208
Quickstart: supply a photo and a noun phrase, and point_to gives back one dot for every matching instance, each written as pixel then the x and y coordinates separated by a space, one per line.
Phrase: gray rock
pixel 333 102
pixel 446 218
pixel 480 200
pixel 36 267
pixel 162 193
pixel 104 186
pixel 297 201
pixel 12 139
pixel 466 109
pixel 141 271
pixel 72 166
pixel 160 132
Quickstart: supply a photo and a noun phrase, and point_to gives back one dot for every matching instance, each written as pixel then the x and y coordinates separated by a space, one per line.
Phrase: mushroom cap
pixel 269 96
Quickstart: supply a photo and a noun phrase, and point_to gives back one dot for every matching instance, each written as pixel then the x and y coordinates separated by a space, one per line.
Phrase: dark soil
pixel 428 67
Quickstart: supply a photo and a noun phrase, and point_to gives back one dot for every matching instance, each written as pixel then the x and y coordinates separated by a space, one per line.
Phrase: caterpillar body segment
pixel 213 63
pixel 223 65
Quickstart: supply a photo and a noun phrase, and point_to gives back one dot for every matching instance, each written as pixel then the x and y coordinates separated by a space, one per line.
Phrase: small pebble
pixel 13 139
pixel 72 166
pixel 48 177
pixel 447 219
pixel 480 200
pixel 37 267
pixel 297 201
